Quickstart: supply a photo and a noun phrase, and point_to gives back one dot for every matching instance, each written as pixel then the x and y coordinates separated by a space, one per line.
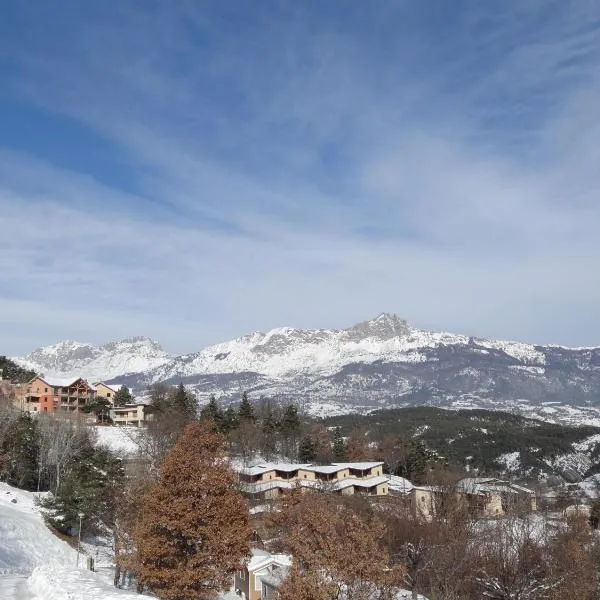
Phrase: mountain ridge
pixel 381 362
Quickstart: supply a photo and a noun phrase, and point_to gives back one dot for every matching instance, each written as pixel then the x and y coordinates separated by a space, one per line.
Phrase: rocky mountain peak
pixel 384 326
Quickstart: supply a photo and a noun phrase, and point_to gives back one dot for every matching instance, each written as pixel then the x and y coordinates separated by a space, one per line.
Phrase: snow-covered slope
pixel 96 363
pixel 28 548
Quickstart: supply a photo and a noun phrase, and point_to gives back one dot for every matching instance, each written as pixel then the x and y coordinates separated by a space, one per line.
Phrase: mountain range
pixel 379 363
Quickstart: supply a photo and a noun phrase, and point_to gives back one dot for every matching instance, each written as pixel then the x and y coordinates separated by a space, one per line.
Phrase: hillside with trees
pixel 13 372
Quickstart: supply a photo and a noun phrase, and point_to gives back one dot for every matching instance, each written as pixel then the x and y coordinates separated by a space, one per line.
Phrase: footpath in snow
pixel 37 565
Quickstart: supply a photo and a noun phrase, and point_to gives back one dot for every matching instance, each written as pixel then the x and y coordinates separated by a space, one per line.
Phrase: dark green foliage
pixel 339 446
pixel 307 451
pixel 122 397
pixel 184 402
pixel 212 412
pixel 13 372
pixel 269 432
pixel 480 434
pixel 172 404
pixel 245 409
pixel 100 406
pixel 290 423
pixel 230 419
pixel 88 487
pixel 19 452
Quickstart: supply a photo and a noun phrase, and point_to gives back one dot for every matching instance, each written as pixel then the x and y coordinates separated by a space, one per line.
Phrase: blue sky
pixel 196 170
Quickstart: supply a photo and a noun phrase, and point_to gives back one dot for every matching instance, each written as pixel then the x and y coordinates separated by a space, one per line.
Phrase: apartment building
pixel 49 394
pixel 271 480
pixel 129 414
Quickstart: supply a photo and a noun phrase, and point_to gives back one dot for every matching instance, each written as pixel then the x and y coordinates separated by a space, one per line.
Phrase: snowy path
pixel 14 587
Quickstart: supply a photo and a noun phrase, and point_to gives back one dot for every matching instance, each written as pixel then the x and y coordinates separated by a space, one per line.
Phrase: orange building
pixel 47 394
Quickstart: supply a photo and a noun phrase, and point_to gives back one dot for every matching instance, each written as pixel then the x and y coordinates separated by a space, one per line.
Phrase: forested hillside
pixel 13 372
pixel 488 441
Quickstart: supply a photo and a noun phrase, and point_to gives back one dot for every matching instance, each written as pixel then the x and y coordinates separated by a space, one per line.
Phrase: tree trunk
pixel 117 575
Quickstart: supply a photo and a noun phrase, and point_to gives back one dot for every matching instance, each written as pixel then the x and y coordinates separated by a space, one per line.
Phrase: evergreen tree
pixel 289 429
pixel 11 371
pixel 19 452
pixel 230 419
pixel 184 403
pixel 269 430
pixel 194 528
pixel 212 412
pixel 122 397
pixel 88 487
pixel 245 409
pixel 339 446
pixel 100 406
pixel 307 451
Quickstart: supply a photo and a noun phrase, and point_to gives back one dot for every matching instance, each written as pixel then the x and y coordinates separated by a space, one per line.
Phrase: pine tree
pixel 212 412
pixel 289 429
pixel 230 420
pixel 269 429
pixel 339 446
pixel 194 528
pixel 307 451
pixel 245 409
pixel 184 403
pixel 122 397
pixel 100 406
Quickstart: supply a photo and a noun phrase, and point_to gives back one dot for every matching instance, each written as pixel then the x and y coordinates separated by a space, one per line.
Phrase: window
pixel 45 390
pixel 108 395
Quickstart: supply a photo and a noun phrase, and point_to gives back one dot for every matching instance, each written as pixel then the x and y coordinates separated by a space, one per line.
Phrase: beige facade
pixel 482 497
pixel 262 567
pixel 129 414
pixel 269 481
pixel 106 391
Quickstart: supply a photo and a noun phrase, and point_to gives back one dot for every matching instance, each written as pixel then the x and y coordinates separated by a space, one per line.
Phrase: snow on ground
pixel 64 583
pixel 29 548
pixel 25 542
pixel 118 439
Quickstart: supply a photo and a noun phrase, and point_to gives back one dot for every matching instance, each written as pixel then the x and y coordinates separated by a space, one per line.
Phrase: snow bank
pixel 119 439
pixel 52 583
pixel 25 541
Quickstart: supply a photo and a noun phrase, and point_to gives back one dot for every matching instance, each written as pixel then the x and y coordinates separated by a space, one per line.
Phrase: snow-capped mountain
pixel 96 363
pixel 382 362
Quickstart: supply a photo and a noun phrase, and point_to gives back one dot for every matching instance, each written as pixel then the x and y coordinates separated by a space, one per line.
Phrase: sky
pixel 195 170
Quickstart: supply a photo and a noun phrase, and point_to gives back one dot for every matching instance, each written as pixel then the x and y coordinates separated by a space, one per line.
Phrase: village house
pixel 49 394
pixel 107 390
pixel 270 480
pixel 129 414
pixel 490 496
pixel 259 578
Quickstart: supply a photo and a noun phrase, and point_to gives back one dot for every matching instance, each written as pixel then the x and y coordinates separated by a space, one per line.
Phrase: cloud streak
pixel 299 166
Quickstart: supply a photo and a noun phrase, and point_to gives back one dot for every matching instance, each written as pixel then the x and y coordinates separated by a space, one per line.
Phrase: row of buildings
pixel 261 576
pixel 72 396
pixel 486 497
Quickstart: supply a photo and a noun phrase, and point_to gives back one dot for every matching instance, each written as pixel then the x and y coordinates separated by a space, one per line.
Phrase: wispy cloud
pixel 306 166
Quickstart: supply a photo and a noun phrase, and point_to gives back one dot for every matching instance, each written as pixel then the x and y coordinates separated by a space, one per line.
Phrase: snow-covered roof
pixel 60 381
pixel 361 466
pixel 400 484
pixel 266 467
pixel 290 467
pixel 261 558
pixel 481 485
